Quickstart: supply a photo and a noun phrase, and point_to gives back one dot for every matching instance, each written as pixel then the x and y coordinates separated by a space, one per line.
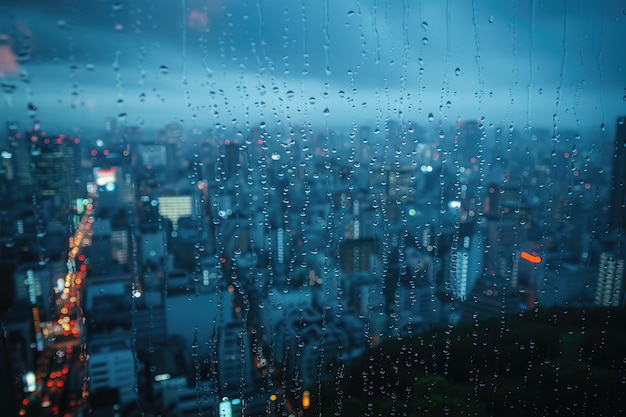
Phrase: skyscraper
pixel 609 282
pixel 617 219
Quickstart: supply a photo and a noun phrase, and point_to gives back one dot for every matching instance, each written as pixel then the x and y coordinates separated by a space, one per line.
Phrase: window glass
pixel 237 207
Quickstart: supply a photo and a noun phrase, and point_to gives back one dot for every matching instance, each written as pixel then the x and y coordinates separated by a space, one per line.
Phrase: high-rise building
pixel 235 364
pixel 176 206
pixel 609 282
pixel 153 155
pixel 357 255
pixel 111 365
pixel 54 163
pixel 100 251
pixel 231 160
pixel 617 218
pixel 21 156
pixel 508 222
pixel 468 139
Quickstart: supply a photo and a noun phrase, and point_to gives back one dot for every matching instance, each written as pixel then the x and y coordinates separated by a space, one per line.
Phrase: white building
pixel 609 282
pixel 113 367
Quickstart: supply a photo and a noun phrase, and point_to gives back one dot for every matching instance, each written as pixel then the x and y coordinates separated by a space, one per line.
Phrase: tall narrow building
pixel 609 282
pixel 617 218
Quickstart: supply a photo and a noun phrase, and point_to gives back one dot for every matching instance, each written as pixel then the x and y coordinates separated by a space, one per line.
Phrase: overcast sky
pixel 232 62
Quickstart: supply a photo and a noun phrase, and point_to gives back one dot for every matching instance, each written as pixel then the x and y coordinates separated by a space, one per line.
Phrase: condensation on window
pixel 253 208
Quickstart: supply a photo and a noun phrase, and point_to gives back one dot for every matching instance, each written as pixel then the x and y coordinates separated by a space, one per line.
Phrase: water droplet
pixel 262 125
pixel 490 18
pixel 350 13
pixel 90 67
pixel 457 71
pixel 289 94
pixel 602 127
pixel 9 89
pixel 117 6
pixel 424 25
pixel 620 121
pixel 61 24
pixel 431 117
pixel 326 111
pixel 122 115
pixel 164 69
pixel 425 40
pixel 32 109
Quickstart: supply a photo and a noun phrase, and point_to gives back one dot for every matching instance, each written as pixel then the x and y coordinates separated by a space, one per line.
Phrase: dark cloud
pixel 232 61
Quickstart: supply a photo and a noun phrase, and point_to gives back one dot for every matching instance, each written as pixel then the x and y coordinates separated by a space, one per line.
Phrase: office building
pixel 176 206
pixel 617 216
pixel 235 359
pixel 609 284
pixel 111 365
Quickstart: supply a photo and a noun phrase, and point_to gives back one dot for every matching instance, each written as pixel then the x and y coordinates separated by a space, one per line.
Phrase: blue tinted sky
pixel 235 61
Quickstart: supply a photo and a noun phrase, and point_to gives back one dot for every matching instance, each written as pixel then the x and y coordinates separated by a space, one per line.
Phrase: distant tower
pixel 234 351
pixel 617 219
pixel 54 163
pixel 508 222
pixel 21 149
pixel 610 277
pixel 468 138
pixel 231 160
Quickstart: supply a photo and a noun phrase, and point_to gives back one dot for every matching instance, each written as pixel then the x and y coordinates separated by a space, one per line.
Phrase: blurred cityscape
pixel 176 272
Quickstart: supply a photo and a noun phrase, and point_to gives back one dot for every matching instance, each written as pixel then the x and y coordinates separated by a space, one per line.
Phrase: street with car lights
pixel 61 389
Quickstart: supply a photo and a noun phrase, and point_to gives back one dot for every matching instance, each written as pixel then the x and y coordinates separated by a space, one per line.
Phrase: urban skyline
pixel 264 208
pixel 257 238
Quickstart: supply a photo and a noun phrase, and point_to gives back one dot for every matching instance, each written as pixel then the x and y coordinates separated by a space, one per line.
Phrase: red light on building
pixel 530 257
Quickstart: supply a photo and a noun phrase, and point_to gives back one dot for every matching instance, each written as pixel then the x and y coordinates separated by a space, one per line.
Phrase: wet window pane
pixel 229 208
